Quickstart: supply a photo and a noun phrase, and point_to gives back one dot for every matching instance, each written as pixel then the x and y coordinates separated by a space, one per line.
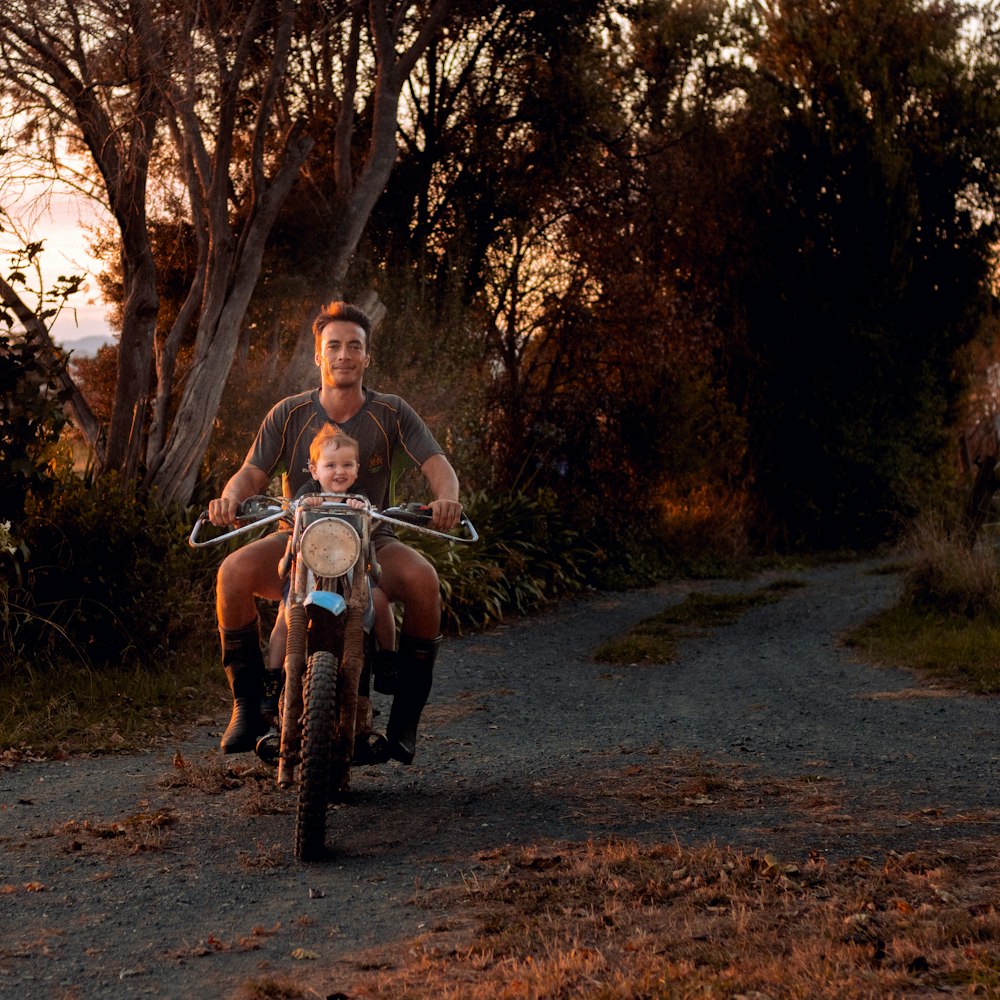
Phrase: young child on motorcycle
pixel 334 459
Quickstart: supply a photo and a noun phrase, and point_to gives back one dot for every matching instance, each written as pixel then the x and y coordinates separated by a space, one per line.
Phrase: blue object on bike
pixel 333 603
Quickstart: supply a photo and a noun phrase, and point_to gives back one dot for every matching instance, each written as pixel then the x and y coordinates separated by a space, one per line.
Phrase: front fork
pixel 291 704
pixel 315 629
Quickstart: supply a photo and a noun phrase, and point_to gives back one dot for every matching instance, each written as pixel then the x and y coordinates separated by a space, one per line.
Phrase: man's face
pixel 342 356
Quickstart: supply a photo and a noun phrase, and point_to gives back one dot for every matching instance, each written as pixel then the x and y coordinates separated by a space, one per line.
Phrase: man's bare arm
pixel 245 483
pixel 446 511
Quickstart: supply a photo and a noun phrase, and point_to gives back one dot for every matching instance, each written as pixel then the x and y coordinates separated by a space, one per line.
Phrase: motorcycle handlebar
pixel 240 529
pixel 415 516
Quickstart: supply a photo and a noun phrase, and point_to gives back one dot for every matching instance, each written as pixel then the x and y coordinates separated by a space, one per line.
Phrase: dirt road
pixel 171 874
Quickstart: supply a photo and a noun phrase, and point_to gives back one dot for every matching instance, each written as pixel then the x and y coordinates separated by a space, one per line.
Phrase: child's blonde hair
pixel 331 435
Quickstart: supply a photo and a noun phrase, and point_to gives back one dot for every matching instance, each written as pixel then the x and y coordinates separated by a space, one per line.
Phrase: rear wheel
pixel 320 697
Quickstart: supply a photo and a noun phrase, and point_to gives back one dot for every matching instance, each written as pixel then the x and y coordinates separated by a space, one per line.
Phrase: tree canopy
pixel 645 251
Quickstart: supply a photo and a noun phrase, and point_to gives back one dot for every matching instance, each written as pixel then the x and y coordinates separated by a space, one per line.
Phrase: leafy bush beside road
pixel 528 554
pixel 102 602
pixel 100 577
pixel 31 418
pixel 96 575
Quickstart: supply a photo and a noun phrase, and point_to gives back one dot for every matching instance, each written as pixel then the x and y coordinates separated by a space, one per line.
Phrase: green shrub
pixel 31 417
pixel 527 555
pixel 102 578
pixel 534 550
pixel 947 619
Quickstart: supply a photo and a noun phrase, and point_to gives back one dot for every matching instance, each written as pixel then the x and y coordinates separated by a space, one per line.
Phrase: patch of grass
pixel 956 648
pixel 654 639
pixel 946 622
pixel 76 709
pixel 619 920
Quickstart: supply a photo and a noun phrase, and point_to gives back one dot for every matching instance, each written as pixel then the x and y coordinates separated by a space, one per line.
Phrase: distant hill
pixel 86 347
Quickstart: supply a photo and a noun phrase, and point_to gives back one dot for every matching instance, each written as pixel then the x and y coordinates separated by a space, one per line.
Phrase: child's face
pixel 336 470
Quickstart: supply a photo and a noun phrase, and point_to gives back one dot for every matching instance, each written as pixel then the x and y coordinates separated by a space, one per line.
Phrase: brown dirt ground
pixel 171 874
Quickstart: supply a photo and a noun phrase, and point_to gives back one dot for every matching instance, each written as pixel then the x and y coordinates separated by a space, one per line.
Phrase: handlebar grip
pixel 410 513
pixel 253 513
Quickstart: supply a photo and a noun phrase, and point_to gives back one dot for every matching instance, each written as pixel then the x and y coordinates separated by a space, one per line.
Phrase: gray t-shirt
pixel 384 426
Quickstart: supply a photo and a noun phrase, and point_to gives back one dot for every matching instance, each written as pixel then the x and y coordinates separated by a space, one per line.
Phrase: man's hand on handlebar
pixel 223 511
pixel 445 514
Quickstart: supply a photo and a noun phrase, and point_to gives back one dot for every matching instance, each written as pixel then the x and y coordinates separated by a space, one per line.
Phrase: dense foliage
pixel 529 554
pixel 744 259
pixel 105 578
pixel 875 202
pixel 659 251
pixel 31 418
pixel 102 577
pixel 660 275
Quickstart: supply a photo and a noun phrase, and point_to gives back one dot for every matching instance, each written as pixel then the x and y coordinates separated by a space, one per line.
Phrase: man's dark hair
pixel 342 312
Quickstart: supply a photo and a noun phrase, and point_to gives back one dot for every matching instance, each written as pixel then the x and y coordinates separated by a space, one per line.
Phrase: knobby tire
pixel 320 697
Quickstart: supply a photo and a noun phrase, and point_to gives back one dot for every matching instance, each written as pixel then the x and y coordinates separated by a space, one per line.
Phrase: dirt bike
pixel 324 715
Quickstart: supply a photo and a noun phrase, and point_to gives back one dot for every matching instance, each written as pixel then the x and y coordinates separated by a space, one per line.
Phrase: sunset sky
pixel 64 226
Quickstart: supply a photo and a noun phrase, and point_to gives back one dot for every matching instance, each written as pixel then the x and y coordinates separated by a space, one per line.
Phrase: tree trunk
pixel 177 467
pixel 135 358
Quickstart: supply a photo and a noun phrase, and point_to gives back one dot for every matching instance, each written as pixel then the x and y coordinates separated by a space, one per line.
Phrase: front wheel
pixel 320 698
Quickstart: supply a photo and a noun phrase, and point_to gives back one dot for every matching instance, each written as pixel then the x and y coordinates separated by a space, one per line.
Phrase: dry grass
pixel 75 710
pixel 272 989
pixel 617 920
pixel 212 777
pixel 256 781
pixel 620 919
pixel 134 834
pixel 263 858
pixel 947 576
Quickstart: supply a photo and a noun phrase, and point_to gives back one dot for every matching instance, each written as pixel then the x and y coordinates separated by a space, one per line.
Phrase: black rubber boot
pixel 270 702
pixel 413 685
pixel 244 666
pixel 385 671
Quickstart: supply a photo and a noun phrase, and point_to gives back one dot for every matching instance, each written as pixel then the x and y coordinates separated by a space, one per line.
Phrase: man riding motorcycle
pixel 382 424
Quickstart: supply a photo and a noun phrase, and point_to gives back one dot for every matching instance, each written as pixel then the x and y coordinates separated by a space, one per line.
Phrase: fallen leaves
pixel 209 946
pixel 212 944
pixel 143 831
pixel 695 921
pixel 11 757
pixel 10 889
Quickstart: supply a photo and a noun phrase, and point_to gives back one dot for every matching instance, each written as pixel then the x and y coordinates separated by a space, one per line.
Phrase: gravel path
pixel 134 876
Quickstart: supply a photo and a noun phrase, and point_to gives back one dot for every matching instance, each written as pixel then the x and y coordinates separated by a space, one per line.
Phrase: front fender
pixel 325 600
pixel 326 617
